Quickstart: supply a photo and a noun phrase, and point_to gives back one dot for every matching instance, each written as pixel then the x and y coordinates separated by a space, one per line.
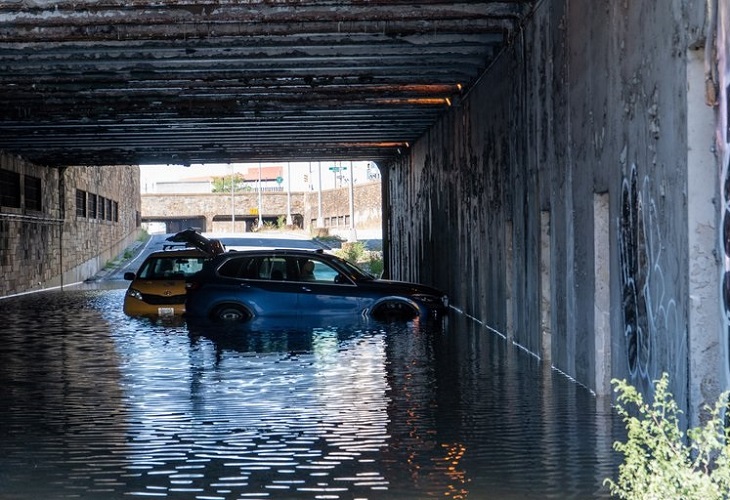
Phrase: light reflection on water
pixel 100 405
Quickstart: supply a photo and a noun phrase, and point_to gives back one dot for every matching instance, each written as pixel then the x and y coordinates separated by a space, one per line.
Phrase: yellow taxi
pixel 158 287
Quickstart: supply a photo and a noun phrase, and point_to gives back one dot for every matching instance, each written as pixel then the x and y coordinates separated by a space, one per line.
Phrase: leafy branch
pixel 660 461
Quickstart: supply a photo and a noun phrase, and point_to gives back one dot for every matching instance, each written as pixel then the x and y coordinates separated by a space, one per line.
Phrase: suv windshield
pixel 357 273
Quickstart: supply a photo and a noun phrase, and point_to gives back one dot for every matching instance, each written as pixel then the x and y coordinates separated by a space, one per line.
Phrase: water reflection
pixel 99 405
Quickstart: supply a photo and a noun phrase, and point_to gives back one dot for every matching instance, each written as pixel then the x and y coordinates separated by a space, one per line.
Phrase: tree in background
pixel 223 184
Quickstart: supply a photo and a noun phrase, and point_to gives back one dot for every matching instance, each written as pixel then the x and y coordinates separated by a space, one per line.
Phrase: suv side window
pixel 312 269
pixel 273 268
pixel 278 267
pixel 260 267
pixel 239 267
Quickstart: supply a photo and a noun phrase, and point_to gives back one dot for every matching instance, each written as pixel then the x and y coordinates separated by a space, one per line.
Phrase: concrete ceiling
pixel 106 82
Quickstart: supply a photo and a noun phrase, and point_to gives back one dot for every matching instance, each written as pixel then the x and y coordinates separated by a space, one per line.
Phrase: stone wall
pixel 367 203
pixel 45 242
pixel 552 203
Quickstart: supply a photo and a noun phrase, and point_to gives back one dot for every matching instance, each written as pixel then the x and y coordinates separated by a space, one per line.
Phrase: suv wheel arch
pixel 394 309
pixel 231 313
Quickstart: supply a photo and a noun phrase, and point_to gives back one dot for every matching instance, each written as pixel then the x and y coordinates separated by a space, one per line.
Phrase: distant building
pixel 188 185
pixel 272 178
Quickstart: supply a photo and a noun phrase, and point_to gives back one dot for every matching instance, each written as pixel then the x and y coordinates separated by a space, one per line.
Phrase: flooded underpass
pixel 98 405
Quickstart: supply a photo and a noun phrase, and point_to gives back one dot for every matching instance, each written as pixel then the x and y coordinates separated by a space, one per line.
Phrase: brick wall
pixel 44 241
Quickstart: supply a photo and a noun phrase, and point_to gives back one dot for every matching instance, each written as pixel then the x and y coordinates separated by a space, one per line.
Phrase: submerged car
pixel 158 287
pixel 239 286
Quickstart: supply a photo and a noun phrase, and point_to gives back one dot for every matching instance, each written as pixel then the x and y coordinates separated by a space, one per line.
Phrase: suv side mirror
pixel 129 276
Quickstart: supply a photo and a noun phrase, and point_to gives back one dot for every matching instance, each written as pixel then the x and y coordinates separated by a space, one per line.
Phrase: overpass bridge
pixel 560 168
pixel 328 211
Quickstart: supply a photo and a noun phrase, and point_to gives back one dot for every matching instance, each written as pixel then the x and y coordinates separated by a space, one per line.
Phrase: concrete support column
pixel 602 293
pixel 706 337
pixel 509 259
pixel 545 294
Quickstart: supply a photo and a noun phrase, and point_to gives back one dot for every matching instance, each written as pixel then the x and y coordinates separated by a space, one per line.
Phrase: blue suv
pixel 239 286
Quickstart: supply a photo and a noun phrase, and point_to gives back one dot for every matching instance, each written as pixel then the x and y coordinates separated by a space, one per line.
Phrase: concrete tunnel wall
pixel 561 202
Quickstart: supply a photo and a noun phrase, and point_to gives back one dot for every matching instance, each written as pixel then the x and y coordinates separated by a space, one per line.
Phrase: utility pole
pixel 288 194
pixel 320 219
pixel 261 220
pixel 233 205
pixel 353 233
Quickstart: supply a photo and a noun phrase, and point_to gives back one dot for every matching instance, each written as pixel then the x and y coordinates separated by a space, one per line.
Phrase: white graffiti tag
pixel 649 314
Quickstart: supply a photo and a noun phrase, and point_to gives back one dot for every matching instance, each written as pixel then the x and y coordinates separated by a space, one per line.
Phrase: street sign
pixel 279 179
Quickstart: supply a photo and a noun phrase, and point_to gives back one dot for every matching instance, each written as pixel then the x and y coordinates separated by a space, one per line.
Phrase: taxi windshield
pixel 170 267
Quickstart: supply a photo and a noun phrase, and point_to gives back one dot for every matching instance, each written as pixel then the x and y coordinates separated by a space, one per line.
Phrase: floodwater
pixel 97 405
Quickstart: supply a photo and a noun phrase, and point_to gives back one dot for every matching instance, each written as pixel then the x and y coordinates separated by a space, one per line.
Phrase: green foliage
pixel 281 222
pixel 355 252
pixel 375 264
pixel 352 251
pixel 223 184
pixel 660 461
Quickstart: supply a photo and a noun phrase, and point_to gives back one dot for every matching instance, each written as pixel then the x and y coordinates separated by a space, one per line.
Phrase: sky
pixel 161 173
pixel 151 174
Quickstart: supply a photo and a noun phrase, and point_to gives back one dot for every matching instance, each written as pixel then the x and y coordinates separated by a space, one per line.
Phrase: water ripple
pixel 98 405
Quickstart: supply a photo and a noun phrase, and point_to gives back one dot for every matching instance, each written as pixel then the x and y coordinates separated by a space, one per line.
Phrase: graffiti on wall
pixel 650 316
